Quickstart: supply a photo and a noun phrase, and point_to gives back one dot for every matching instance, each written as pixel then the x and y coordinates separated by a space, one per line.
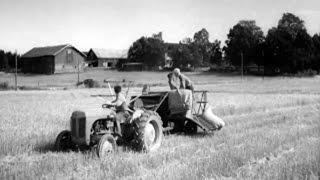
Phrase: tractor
pixel 151 115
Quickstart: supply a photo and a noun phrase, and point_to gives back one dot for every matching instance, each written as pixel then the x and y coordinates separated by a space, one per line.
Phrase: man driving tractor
pixel 121 107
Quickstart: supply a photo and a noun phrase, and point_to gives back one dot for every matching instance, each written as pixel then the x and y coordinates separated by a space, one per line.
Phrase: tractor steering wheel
pixel 106 106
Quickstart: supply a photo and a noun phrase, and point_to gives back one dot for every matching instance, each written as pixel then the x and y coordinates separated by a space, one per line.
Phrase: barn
pixel 53 59
pixel 105 57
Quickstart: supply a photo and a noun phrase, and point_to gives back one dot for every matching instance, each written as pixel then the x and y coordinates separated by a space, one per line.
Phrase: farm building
pixel 132 67
pixel 105 57
pixel 170 47
pixel 53 59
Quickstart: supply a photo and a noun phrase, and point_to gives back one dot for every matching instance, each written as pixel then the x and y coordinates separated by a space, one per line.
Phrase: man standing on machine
pixel 185 82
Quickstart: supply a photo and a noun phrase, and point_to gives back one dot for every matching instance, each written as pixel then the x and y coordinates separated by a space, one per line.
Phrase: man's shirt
pixel 120 102
pixel 184 81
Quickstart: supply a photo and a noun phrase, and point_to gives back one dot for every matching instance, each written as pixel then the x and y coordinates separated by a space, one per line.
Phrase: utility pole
pixel 241 65
pixel 78 73
pixel 16 72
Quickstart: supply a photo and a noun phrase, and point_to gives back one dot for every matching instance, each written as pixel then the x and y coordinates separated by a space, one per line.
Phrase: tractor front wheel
pixel 148 132
pixel 63 141
pixel 190 128
pixel 107 145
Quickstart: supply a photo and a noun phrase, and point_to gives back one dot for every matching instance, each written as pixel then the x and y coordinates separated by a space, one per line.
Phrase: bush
pixel 4 86
pixel 90 83
pixel 307 73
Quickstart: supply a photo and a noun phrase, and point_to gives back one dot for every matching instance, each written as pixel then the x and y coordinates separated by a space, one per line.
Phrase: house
pixel 105 57
pixel 53 59
pixel 169 48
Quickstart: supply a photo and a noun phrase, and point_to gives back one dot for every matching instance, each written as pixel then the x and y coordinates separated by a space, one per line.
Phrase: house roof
pixel 110 53
pixel 48 51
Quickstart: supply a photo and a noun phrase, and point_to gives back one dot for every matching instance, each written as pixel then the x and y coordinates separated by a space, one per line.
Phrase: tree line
pixel 286 48
pixel 192 52
pixel 7 60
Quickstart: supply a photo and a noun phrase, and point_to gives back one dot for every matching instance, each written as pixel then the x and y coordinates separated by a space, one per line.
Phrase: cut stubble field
pixel 272 132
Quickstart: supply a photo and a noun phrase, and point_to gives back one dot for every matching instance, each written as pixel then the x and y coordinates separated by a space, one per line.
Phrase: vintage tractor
pixel 150 114
pixel 142 131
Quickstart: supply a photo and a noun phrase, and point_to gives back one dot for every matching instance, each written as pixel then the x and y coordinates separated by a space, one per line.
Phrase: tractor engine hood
pixel 82 121
pixel 99 112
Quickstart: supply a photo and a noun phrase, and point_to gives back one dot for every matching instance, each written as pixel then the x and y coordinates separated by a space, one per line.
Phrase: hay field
pixel 272 132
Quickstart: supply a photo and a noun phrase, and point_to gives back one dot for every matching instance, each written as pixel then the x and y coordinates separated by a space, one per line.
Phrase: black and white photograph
pixel 159 90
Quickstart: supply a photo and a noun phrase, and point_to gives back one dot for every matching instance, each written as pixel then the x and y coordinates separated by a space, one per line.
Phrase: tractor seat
pixel 150 106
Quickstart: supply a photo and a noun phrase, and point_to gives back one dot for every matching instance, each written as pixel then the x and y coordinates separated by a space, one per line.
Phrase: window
pixel 69 56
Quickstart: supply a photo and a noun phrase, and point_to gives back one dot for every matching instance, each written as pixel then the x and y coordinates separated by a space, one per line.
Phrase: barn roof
pixel 47 51
pixel 110 53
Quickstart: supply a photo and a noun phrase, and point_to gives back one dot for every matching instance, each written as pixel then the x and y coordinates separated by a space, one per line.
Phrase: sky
pixel 116 24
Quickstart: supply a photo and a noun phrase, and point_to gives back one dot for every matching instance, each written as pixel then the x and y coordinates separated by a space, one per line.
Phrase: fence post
pixel 78 73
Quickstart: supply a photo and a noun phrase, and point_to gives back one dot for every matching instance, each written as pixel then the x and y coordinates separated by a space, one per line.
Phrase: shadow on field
pixel 197 135
pixel 202 135
pixel 222 74
pixel 44 148
pixel 49 147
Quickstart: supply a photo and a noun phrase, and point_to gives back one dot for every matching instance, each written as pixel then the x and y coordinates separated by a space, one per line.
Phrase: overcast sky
pixel 115 24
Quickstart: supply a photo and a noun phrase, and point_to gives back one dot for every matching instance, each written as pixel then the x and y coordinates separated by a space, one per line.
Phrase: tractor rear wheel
pixel 148 132
pixel 63 141
pixel 106 145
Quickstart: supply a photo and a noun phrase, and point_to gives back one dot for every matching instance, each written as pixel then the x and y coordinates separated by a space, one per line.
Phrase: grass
pixel 69 80
pixel 272 132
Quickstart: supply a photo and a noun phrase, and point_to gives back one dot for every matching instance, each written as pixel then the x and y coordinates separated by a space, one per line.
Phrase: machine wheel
pixel 190 128
pixel 148 132
pixel 106 145
pixel 63 141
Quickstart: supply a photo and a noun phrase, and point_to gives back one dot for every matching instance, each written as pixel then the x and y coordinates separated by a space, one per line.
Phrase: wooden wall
pixel 39 65
pixel 67 61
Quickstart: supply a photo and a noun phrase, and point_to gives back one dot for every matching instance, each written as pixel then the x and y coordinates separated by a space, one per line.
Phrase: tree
pixel 216 57
pixel 316 41
pixel 185 55
pixel 245 37
pixel 157 36
pixel 186 40
pixel 291 24
pixel 201 40
pixel 289 46
pixel 316 53
pixel 201 37
pixel 5 62
pixel 149 51
pixel 303 51
pixel 2 54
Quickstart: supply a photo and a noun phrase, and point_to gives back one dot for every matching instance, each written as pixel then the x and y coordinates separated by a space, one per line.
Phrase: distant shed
pixel 53 59
pixel 106 57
